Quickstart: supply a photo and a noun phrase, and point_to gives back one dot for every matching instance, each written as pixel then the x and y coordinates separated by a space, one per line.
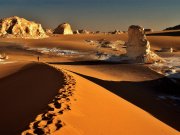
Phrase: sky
pixel 102 15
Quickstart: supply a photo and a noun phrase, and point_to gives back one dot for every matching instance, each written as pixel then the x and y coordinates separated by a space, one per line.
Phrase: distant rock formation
pixel 97 32
pixel 177 27
pixel 166 49
pixel 148 30
pixel 84 32
pixel 116 32
pixel 16 27
pixel 3 56
pixel 138 47
pixel 64 29
pixel 49 31
pixel 76 32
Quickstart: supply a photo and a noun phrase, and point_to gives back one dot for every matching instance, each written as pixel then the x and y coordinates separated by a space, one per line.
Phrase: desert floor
pixel 72 90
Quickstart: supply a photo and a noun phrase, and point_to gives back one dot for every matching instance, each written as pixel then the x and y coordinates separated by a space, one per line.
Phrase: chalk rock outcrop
pixel 138 47
pixel 21 28
pixel 64 28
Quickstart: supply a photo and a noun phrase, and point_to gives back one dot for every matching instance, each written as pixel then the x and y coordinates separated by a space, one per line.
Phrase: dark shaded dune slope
pixel 25 94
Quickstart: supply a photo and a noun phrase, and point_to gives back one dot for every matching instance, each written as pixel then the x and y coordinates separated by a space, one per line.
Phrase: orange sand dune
pixel 135 83
pixel 109 98
pixel 96 111
pixel 25 93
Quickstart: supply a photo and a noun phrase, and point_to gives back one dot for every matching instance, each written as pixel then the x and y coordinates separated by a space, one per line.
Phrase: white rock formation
pixel 64 28
pixel 138 47
pixel 21 28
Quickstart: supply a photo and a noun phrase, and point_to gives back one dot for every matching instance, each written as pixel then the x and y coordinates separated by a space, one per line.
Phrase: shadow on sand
pixel 91 62
pixel 25 94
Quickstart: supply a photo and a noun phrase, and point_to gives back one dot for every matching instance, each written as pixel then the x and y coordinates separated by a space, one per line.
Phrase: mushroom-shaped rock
pixel 64 28
pixel 138 47
pixel 21 28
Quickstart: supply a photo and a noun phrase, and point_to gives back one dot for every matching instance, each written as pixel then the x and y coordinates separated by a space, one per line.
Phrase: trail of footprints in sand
pixel 50 121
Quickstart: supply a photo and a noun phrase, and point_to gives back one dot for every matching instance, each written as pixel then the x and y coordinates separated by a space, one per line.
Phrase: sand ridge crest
pixel 50 121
